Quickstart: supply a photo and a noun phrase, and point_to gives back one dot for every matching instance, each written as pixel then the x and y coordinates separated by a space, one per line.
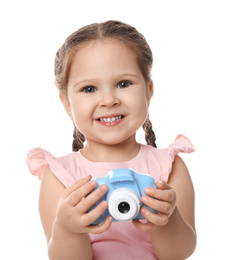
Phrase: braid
pixel 149 133
pixel 78 140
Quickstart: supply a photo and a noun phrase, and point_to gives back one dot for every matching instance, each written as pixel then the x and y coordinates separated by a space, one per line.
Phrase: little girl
pixel 102 72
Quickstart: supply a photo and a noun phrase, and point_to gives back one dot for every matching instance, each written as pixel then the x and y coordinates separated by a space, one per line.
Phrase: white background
pixel 189 47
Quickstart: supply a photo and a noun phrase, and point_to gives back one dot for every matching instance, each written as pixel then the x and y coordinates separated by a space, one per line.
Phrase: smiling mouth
pixel 110 119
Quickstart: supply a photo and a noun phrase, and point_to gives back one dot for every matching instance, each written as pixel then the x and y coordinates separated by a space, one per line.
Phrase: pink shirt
pixel 122 240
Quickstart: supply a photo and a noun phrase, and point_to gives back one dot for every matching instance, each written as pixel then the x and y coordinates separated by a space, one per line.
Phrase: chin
pixel 116 141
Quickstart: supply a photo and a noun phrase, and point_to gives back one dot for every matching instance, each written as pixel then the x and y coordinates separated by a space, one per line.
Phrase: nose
pixel 109 99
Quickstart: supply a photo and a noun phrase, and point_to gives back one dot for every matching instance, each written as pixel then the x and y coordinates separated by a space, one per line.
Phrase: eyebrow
pixel 129 74
pixel 82 82
pixel 94 79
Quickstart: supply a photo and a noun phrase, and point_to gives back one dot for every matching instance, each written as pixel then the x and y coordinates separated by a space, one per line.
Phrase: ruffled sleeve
pixel 181 145
pixel 37 161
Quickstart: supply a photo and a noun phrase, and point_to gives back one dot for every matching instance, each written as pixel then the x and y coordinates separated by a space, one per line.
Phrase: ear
pixel 150 89
pixel 66 105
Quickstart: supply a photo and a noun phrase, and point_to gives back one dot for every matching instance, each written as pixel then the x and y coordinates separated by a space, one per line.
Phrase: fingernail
pixel 93 183
pixel 143 210
pixel 104 188
pixel 144 199
pixel 147 191
pixel 104 204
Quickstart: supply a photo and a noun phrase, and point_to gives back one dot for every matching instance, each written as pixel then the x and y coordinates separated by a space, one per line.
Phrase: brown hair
pixel 97 31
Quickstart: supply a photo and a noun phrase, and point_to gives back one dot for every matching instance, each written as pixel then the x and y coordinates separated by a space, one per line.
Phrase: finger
pixel 162 185
pixel 148 226
pixel 164 195
pixel 76 185
pixel 161 206
pixel 98 229
pixel 88 218
pixel 76 196
pixel 159 219
pixel 92 198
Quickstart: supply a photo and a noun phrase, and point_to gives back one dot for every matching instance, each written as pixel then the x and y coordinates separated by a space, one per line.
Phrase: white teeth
pixel 110 119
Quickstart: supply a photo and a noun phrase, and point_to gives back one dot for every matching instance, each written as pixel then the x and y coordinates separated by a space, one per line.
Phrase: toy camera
pixel 125 189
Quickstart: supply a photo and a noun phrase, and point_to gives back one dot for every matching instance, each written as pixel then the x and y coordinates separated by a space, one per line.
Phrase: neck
pixel 122 152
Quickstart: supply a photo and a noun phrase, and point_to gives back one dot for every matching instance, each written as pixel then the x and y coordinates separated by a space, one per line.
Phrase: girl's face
pixel 108 96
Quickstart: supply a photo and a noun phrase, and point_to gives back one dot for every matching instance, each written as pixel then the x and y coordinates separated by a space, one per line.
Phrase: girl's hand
pixel 73 206
pixel 163 200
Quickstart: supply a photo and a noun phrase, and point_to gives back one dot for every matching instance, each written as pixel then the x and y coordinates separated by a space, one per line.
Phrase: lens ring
pixel 124 195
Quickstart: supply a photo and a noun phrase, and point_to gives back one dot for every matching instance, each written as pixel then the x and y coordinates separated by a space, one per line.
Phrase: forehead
pixel 104 44
pixel 100 56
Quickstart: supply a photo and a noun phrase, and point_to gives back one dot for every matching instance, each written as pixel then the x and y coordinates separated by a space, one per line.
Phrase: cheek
pixel 81 110
pixel 140 104
pixel 76 109
pixel 139 111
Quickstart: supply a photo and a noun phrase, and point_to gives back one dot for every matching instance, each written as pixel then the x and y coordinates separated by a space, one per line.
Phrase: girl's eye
pixel 89 89
pixel 124 84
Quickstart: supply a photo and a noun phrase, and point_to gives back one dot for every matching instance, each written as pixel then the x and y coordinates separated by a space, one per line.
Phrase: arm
pixel 178 236
pixel 64 219
pixel 173 229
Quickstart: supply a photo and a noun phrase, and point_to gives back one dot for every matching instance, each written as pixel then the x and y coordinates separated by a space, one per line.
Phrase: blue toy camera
pixel 125 189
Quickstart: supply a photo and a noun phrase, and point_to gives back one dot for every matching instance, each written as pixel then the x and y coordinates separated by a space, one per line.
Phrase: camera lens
pixel 124 207
pixel 123 204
